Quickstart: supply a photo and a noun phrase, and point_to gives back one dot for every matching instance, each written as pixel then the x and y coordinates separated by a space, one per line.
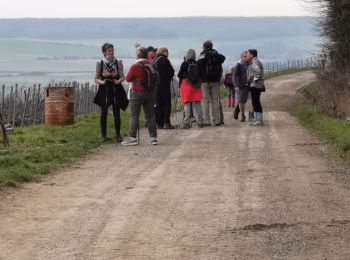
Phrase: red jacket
pixel 136 75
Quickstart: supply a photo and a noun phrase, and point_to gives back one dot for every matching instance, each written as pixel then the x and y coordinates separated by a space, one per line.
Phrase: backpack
pixel 193 74
pixel 213 67
pixel 152 77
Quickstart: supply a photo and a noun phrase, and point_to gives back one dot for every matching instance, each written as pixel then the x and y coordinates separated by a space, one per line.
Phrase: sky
pixel 149 8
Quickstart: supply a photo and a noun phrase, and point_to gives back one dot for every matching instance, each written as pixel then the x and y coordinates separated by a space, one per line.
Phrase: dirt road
pixel 231 192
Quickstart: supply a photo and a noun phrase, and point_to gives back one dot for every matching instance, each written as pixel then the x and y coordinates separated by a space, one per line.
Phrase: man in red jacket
pixel 139 96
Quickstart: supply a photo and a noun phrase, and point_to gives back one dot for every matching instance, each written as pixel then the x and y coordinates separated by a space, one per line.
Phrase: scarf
pixel 110 63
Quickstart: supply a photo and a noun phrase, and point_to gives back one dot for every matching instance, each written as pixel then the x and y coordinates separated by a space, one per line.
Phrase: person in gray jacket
pixel 256 82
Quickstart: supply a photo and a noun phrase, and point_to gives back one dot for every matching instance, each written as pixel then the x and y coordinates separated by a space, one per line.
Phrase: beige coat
pixel 256 74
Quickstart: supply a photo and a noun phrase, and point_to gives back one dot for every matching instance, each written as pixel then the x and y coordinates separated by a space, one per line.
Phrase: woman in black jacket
pixel 109 76
pixel 163 100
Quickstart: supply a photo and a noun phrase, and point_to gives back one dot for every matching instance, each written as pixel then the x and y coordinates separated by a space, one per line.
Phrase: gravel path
pixel 230 192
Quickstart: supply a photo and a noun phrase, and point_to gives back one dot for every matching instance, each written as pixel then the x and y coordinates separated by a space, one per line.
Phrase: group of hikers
pixel 150 78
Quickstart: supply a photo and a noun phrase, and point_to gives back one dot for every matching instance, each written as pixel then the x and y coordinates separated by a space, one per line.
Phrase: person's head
pixel 163 51
pixel 191 54
pixel 151 52
pixel 141 53
pixel 108 50
pixel 251 54
pixel 244 56
pixel 208 45
pixel 231 69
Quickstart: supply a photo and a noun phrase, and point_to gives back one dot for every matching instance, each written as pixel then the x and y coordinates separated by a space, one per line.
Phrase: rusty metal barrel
pixel 59 106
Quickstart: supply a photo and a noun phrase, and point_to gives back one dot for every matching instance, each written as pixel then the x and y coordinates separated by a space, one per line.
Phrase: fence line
pixel 21 106
pixel 311 62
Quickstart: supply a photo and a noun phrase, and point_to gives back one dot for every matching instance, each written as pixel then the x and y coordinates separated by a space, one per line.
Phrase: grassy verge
pixel 336 131
pixel 39 149
pixel 286 72
pixel 311 90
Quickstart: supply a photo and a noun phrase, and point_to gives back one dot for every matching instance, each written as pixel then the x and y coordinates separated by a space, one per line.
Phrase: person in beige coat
pixel 257 84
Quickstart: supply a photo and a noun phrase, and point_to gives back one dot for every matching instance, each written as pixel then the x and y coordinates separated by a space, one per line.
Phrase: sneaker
pixel 243 119
pixel 257 123
pixel 168 126
pixel 200 125
pixel 130 141
pixel 160 126
pixel 153 141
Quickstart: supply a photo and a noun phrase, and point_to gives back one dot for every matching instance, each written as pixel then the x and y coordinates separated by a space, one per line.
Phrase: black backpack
pixel 213 67
pixel 152 77
pixel 193 74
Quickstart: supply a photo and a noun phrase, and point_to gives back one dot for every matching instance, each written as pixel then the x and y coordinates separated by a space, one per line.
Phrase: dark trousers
pixel 163 105
pixel 103 119
pixel 256 100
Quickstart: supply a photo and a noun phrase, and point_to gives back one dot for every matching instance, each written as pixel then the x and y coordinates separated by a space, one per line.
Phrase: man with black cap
pixel 151 53
pixel 210 62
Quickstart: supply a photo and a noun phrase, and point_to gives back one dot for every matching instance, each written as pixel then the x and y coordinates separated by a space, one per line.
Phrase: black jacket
pixel 110 94
pixel 165 70
pixel 203 64
pixel 183 72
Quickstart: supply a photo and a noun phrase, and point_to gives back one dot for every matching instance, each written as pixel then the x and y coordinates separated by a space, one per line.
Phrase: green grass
pixel 311 89
pixel 335 131
pixel 38 149
pixel 286 72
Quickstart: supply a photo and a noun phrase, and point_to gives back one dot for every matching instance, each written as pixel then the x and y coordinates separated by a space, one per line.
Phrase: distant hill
pixel 275 37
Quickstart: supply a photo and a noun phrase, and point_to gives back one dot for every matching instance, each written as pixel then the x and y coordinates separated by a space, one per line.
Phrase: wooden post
pixel 2 99
pixel 36 105
pixel 14 106
pixel 31 108
pixel 26 98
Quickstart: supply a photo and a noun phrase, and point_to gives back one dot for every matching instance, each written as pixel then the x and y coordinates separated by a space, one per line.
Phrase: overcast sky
pixel 149 8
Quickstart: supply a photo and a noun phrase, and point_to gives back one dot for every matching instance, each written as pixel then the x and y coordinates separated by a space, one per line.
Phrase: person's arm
pixel 98 75
pixel 120 73
pixel 171 69
pixel 236 75
pixel 131 74
pixel 181 74
pixel 257 72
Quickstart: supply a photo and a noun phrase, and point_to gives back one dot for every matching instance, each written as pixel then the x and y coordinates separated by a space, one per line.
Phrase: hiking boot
pixel 153 141
pixel 168 126
pixel 118 139
pixel 236 112
pixel 130 141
